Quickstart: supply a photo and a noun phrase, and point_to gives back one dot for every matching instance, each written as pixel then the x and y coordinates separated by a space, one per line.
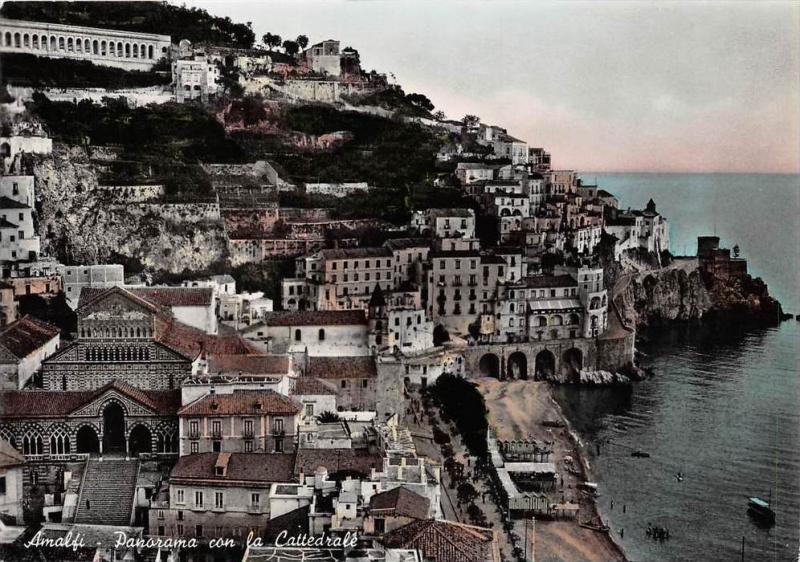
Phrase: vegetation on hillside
pixel 179 22
pixel 461 402
pixel 22 69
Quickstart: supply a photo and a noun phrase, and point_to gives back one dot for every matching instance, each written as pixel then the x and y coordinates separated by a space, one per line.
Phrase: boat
pixel 638 453
pixel 760 510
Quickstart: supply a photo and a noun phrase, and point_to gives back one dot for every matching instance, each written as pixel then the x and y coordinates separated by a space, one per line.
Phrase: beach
pixel 516 411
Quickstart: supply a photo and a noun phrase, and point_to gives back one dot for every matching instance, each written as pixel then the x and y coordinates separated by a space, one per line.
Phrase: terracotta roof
pixel 307 386
pixel 400 502
pixel 254 402
pixel 190 341
pixel 249 364
pixel 9 456
pixel 405 243
pixel 90 295
pixel 8 203
pixel 47 404
pixel 341 367
pixel 464 542
pixel 315 318
pixel 337 460
pixel 355 253
pixel 26 335
pixel 175 296
pixel 547 281
pixel 238 467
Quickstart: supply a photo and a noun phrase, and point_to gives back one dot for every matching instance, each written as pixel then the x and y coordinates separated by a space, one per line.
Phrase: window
pixel 255 500
pixel 2 485
pixel 180 529
pixel 364 383
pixel 344 384
pixel 198 499
pixel 248 446
pixel 161 530
pixel 180 515
pixel 193 447
pixel 216 446
pixel 277 425
pixel 297 336
pixel 198 530
pixel 321 334
pixel 218 500
pixel 279 445
pixel 179 499
pixel 309 410
pixel 248 428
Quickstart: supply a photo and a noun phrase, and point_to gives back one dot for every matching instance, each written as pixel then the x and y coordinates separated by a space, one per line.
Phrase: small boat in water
pixel 760 510
pixel 638 453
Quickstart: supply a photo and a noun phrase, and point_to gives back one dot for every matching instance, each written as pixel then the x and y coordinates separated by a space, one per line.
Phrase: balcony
pixel 278 431
pixel 248 433
pixel 194 434
pixel 216 433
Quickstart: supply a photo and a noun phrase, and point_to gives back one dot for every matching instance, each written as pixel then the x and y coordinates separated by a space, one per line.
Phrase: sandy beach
pixel 516 411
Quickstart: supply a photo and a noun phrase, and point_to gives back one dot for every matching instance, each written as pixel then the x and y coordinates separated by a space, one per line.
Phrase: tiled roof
pixel 190 341
pixel 341 367
pixel 239 467
pixel 93 294
pixel 8 203
pixel 447 213
pixel 454 254
pixel 249 364
pixel 443 541
pixel 337 460
pixel 175 296
pixel 308 386
pixel 26 335
pixel 242 402
pixel 46 404
pixel 405 243
pixel 400 502
pixel 547 281
pixel 355 253
pixel 9 456
pixel 315 318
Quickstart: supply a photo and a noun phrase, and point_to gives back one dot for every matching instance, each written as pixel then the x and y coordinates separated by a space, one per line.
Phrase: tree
pixel 291 47
pixel 271 40
pixel 736 251
pixel 440 335
pixel 421 101
pixel 466 492
pixel 328 417
pixel 302 41
pixel 439 115
pixel 471 121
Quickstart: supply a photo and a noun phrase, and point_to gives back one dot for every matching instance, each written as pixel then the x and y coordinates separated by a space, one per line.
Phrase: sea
pixel 722 408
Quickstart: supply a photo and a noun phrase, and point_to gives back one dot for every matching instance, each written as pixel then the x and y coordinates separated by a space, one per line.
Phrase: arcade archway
pixel 544 366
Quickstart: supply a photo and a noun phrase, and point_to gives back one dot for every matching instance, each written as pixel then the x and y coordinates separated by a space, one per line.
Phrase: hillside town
pixel 151 387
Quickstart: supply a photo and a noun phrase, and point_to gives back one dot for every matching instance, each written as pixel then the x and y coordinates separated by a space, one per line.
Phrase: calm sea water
pixel 723 409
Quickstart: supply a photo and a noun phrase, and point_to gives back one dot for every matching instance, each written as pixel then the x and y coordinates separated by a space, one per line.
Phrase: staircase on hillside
pixel 109 486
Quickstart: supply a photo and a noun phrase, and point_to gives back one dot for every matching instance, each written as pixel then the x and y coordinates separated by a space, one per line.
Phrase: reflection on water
pixel 721 410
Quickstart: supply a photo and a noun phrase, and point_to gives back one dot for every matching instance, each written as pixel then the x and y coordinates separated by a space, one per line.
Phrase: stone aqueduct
pixel 108 47
pixel 556 360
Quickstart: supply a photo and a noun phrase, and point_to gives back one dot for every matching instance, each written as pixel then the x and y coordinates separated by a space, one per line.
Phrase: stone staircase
pixel 110 487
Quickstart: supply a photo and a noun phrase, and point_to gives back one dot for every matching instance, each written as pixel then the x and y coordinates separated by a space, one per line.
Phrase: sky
pixel 604 86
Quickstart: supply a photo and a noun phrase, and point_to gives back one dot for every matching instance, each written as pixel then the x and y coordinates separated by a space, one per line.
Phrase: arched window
pixel 322 334
pixel 87 46
pixel 32 444
pixel 59 443
pixel 70 45
pixel 7 41
pixel 17 40
pixel 79 45
pixel 150 52
pixel 52 42
pixel 95 47
pixel 103 48
pixel 119 49
pixel 61 44
pixel 297 336
pixel 112 49
pixel 135 51
pixel 26 40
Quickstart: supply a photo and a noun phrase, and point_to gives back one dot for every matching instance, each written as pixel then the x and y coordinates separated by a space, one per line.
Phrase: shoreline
pixel 517 410
pixel 586 468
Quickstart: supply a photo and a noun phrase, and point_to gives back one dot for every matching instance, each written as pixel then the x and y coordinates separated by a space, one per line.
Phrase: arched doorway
pixel 572 363
pixel 489 366
pixel 113 428
pixel 545 365
pixel 86 440
pixel 141 441
pixel 517 366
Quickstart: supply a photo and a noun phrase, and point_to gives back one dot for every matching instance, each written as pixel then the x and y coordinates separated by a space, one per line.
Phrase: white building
pixel 78 277
pixel 324 57
pixel 107 47
pixel 11 478
pixel 24 344
pixel 315 333
pixel 195 78
pixel 445 223
pixel 18 239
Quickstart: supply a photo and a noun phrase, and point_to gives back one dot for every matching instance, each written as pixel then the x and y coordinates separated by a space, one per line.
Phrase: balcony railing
pixel 194 434
pixel 278 431
pixel 248 433
pixel 216 433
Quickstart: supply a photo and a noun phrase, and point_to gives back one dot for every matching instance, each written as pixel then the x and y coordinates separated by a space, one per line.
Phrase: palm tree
pixel 302 40
pixel 328 417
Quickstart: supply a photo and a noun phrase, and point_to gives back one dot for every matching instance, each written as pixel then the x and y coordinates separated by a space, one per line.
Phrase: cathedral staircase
pixel 110 487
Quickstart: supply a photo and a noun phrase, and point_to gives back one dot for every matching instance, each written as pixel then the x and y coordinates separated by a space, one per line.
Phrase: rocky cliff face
pixel 680 295
pixel 79 225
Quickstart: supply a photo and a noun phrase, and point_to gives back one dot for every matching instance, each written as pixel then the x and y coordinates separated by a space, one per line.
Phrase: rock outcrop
pixel 672 295
pixel 79 224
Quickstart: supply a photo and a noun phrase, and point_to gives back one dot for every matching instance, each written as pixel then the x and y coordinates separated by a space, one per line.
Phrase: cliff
pixel 684 293
pixel 80 225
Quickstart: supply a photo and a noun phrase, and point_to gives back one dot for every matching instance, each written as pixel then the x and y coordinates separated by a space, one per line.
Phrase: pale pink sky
pixel 605 86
